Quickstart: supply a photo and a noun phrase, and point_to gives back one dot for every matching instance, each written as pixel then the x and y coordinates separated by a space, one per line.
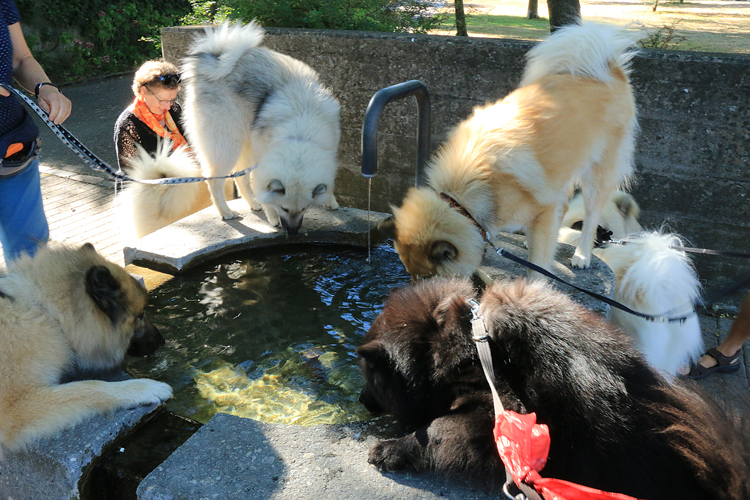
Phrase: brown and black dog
pixel 65 311
pixel 615 423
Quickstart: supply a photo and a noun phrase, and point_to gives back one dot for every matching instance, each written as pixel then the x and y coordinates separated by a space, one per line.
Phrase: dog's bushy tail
pixel 714 440
pixel 153 206
pixel 593 51
pixel 220 49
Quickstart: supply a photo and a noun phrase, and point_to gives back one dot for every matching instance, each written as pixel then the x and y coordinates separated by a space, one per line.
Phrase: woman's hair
pixel 149 73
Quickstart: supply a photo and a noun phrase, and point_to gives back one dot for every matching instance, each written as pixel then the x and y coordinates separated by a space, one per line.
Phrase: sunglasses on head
pixel 168 80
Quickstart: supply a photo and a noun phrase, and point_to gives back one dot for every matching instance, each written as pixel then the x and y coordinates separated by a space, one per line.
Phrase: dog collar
pixel 460 208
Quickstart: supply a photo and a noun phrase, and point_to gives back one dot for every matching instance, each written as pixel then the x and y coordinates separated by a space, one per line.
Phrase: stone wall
pixel 693 151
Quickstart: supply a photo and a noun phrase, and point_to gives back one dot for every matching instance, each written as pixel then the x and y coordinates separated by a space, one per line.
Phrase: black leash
pixel 661 318
pixel 97 163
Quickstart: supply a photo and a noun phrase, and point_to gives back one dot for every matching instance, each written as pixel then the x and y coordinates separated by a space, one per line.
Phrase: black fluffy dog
pixel 615 424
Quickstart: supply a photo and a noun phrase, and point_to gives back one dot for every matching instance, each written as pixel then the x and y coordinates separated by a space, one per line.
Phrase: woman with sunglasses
pixel 153 116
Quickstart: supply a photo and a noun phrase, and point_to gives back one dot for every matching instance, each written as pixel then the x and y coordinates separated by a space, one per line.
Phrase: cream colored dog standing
pixel 246 105
pixel 515 162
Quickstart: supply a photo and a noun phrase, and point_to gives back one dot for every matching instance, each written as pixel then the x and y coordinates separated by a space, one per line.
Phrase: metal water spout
pixel 372 116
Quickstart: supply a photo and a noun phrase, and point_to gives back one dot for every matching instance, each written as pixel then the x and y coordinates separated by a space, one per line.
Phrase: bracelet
pixel 39 87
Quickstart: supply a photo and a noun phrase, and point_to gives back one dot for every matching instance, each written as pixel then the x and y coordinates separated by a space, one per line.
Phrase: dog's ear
pixel 373 352
pixel 453 318
pixel 106 292
pixel 441 251
pixel 388 228
pixel 319 189
pixel 276 187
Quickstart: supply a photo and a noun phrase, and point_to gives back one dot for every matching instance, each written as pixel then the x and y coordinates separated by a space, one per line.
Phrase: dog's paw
pixel 333 204
pixel 229 215
pixel 139 391
pixel 272 217
pixel 580 261
pixel 155 391
pixel 253 204
pixel 388 456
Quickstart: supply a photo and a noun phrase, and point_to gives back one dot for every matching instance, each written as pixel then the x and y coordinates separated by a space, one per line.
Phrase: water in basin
pixel 270 334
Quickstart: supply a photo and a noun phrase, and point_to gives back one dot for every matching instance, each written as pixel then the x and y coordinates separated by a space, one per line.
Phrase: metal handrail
pixel 372 117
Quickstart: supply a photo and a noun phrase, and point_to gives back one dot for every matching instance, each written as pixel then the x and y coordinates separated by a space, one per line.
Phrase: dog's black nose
pixel 291 229
pixel 370 403
pixel 145 341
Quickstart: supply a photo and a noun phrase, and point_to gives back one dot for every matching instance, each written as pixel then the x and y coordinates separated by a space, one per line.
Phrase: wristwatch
pixel 39 87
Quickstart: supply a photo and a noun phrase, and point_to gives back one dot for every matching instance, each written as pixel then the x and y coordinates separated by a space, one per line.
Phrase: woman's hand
pixel 54 103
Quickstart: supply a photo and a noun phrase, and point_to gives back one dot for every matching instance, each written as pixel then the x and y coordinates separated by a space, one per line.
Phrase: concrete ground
pixel 80 206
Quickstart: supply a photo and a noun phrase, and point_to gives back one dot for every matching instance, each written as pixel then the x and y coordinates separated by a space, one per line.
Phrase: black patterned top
pixel 11 110
pixel 130 130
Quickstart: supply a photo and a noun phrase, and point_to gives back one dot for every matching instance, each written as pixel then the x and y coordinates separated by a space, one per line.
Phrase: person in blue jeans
pixel 23 225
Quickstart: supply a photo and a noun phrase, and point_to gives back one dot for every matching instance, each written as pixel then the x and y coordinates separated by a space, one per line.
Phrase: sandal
pixel 724 364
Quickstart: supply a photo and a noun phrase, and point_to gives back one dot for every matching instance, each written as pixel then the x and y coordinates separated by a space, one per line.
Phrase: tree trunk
pixel 533 12
pixel 461 18
pixel 562 12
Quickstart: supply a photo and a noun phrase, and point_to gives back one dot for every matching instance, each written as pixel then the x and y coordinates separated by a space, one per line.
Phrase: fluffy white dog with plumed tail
pixel 248 105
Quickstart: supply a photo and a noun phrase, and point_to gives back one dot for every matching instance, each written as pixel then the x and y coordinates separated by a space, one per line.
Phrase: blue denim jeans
pixel 23 225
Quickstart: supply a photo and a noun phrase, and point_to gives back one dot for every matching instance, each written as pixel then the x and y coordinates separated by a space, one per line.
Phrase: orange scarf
pixel 140 109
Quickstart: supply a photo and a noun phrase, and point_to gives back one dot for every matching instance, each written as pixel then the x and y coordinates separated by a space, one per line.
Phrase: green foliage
pixel 365 15
pixel 86 37
pixel 81 38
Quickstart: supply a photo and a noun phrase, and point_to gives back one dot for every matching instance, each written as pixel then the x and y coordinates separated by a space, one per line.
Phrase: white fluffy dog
pixel 653 278
pixel 148 207
pixel 247 105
